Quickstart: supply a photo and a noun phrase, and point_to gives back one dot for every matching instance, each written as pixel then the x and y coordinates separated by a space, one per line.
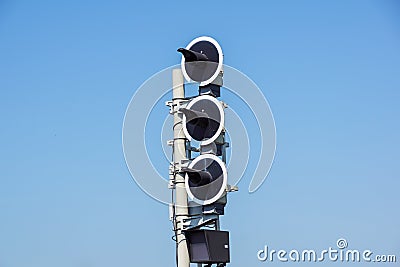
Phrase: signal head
pixel 206 179
pixel 201 60
pixel 203 119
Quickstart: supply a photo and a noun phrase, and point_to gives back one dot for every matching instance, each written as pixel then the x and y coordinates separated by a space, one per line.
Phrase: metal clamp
pixel 232 188
pixel 175 105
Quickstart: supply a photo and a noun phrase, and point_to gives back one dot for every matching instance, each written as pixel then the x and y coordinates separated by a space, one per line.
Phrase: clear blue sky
pixel 329 69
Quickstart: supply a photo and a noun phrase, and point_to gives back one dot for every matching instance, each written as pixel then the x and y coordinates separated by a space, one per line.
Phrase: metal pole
pixel 181 209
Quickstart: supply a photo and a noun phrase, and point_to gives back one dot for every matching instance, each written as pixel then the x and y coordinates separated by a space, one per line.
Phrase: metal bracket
pixel 194 149
pixel 178 165
pixel 171 181
pixel 175 105
pixel 199 221
pixel 232 188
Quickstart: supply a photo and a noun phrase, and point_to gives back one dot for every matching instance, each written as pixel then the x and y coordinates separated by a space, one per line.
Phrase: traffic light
pixel 201 118
pixel 203 121
pixel 202 60
pixel 206 179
